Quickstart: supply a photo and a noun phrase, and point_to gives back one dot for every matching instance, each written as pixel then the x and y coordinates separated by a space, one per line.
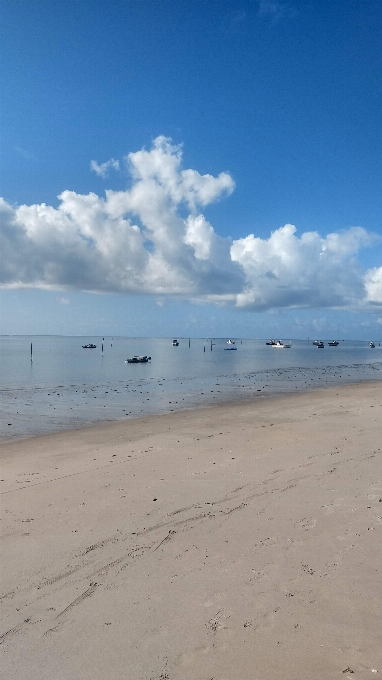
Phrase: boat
pixel 372 344
pixel 175 343
pixel 281 345
pixel 316 342
pixel 333 343
pixel 272 342
pixel 138 360
pixel 89 346
pixel 231 344
pixel 320 345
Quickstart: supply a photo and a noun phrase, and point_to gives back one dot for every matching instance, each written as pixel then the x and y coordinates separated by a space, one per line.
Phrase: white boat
pixel 90 345
pixel 175 343
pixel 281 345
pixel 231 345
pixel 372 344
pixel 333 343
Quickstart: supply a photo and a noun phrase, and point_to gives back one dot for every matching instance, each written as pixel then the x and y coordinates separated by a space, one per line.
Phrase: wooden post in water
pixel 189 342
pixel 211 344
pixel 102 348
pixel 31 353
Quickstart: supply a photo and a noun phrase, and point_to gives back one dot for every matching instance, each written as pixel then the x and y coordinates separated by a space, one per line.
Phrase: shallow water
pixel 66 386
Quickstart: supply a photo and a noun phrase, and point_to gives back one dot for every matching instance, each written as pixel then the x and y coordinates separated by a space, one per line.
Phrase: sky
pixel 202 168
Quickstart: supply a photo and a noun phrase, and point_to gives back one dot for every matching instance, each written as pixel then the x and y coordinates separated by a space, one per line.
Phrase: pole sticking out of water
pixel 211 344
pixel 31 353
pixel 189 342
pixel 102 348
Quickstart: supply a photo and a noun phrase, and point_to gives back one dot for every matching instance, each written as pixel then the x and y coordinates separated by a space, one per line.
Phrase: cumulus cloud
pixel 153 238
pixel 373 283
pixel 287 271
pixel 103 169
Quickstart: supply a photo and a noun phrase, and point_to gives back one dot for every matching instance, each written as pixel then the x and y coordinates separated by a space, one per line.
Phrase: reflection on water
pixel 67 386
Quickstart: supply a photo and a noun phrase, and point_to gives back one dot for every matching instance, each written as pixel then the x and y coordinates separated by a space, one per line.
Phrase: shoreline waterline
pixel 66 386
pixel 224 404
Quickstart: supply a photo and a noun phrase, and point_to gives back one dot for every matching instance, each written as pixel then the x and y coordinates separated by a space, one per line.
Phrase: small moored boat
pixel 175 343
pixel 281 345
pixel 372 344
pixel 89 346
pixel 333 343
pixel 138 360
pixel 320 345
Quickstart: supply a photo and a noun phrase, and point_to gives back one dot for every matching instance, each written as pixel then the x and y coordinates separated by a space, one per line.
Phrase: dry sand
pixel 232 543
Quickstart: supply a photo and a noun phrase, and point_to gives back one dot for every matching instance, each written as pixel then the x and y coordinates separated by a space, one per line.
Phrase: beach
pixel 236 542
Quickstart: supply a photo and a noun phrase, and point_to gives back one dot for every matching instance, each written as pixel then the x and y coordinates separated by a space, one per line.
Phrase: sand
pixel 239 542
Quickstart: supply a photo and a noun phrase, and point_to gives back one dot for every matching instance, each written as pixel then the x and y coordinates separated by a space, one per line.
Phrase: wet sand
pixel 239 542
pixel 36 409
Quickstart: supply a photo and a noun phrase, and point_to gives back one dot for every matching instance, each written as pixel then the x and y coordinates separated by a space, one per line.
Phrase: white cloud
pixel 63 301
pixel 200 235
pixel 373 283
pixel 287 271
pixel 154 239
pixel 103 169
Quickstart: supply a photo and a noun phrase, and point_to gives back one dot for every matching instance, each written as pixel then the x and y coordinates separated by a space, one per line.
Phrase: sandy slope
pixel 234 543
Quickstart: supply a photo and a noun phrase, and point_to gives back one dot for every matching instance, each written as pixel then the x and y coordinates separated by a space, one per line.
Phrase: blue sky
pixel 155 155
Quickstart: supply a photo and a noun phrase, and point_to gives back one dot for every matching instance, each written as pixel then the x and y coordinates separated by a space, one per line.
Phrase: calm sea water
pixel 66 386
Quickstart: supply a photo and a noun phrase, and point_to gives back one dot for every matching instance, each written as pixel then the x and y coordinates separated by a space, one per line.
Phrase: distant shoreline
pixel 185 338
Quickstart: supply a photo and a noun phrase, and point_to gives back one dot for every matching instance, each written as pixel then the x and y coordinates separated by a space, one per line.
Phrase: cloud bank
pixel 153 238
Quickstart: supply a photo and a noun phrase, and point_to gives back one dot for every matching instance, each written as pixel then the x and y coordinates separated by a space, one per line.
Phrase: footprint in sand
pixel 215 598
pixel 306 524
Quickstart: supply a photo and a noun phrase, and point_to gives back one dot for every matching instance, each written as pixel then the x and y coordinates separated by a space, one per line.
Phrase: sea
pixel 51 383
